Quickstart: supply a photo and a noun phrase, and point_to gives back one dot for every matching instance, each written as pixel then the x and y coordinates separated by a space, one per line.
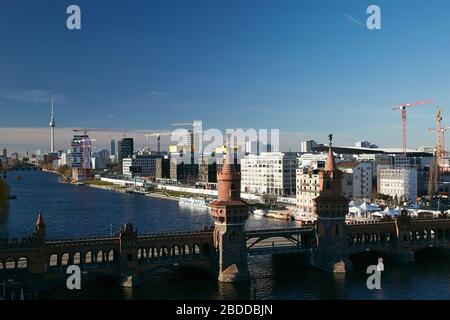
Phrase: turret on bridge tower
pixel 331 207
pixel 39 229
pixel 230 212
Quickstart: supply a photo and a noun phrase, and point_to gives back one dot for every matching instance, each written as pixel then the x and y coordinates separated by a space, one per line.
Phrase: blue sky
pixel 307 67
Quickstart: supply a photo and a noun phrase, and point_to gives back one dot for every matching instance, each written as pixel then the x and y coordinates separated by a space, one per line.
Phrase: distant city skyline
pixel 307 68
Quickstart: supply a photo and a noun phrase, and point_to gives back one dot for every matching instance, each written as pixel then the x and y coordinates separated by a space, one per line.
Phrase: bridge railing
pixel 176 233
pixel 293 230
pixel 80 239
pixel 26 242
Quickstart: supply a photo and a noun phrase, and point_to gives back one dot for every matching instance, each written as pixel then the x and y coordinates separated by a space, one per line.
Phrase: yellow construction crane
pixel 434 174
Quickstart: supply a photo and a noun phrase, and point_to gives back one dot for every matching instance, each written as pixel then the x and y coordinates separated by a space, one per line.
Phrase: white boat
pixel 259 212
pixel 193 202
pixel 304 216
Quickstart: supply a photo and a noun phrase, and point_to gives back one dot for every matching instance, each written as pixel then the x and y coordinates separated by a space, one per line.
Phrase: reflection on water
pixel 71 211
pixel 4 213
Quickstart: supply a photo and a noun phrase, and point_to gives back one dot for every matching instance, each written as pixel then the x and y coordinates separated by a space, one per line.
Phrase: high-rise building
pixel 80 152
pixel 113 148
pixel 307 146
pixel 52 131
pixel 125 149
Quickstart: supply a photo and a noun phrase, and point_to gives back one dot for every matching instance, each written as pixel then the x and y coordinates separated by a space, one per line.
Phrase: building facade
pixel 80 152
pixel 269 173
pixel 125 149
pixel 398 182
pixel 141 166
pixel 357 180
pixel 307 188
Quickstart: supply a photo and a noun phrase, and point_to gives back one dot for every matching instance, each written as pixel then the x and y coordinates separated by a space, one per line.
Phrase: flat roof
pixel 357 150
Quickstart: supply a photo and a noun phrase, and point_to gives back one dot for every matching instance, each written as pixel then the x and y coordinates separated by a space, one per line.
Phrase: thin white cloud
pixel 159 93
pixel 31 95
pixel 354 20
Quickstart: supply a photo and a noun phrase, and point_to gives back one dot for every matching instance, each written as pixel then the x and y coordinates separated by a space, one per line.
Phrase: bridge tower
pixel 403 228
pixel 230 213
pixel 128 256
pixel 331 207
pixel 39 229
pixel 38 260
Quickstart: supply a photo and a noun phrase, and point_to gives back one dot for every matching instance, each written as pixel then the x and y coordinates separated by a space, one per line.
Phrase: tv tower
pixel 52 131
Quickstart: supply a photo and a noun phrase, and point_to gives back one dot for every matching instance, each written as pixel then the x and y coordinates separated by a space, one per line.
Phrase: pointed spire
pixel 330 164
pixel 40 219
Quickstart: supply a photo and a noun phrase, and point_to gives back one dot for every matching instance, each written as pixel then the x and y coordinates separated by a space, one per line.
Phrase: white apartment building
pixel 400 182
pixel 357 182
pixel 269 173
pixel 307 188
pixel 140 165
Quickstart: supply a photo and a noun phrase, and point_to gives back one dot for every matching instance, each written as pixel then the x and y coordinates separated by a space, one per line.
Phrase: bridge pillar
pixel 128 256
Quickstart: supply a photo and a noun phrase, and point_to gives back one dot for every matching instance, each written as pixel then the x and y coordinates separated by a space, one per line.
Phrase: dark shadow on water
pixel 4 214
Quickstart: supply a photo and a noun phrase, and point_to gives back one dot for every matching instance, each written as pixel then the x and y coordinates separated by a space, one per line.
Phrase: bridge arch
pixel 22 263
pixel 176 250
pixel 88 257
pixel 65 259
pixel 142 253
pixel 99 257
pixel 153 252
pixel 53 260
pixel 77 258
pixel 164 251
pixel 111 255
pixel 10 263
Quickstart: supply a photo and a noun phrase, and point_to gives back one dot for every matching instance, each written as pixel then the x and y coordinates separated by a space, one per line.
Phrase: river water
pixel 74 211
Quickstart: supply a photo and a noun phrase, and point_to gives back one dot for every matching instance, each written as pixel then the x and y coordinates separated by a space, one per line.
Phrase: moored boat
pixel 193 202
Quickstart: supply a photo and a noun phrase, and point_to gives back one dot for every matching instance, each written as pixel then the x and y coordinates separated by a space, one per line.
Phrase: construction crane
pixel 403 108
pixel 86 130
pixel 437 163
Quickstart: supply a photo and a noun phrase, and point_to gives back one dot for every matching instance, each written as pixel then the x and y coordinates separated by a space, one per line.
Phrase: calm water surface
pixel 73 211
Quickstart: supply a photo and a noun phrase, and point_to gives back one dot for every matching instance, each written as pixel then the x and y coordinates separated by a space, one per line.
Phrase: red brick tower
pixel 230 213
pixel 331 207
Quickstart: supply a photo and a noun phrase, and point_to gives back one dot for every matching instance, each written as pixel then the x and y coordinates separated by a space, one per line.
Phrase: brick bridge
pixel 128 256
pixel 223 249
